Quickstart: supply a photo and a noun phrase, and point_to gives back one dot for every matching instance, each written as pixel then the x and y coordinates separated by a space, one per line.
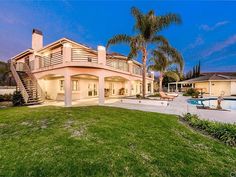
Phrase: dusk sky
pixel 208 31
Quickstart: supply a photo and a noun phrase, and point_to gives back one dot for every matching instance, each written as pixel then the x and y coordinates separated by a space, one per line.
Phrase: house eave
pixel 22 54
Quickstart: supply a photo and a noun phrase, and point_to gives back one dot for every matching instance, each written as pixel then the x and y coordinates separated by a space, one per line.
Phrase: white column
pixel 168 87
pixel 176 86
pixel 101 84
pixel 152 87
pixel 68 90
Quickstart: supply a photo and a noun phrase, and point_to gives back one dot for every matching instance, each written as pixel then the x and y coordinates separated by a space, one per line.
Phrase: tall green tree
pixel 147 28
pixel 162 58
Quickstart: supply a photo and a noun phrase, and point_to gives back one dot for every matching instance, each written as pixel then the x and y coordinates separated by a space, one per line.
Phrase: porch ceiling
pixel 115 78
pixel 51 76
pixel 84 76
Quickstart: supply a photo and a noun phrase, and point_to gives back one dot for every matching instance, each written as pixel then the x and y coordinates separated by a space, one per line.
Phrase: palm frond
pixel 120 38
pixel 160 39
pixel 168 19
pixel 172 75
pixel 174 55
pixel 160 61
pixel 138 16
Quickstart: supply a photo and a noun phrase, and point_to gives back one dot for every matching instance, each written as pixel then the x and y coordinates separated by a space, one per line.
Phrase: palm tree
pixel 163 57
pixel 147 26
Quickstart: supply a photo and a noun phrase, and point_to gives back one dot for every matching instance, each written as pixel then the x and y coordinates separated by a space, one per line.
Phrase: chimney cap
pixel 37 31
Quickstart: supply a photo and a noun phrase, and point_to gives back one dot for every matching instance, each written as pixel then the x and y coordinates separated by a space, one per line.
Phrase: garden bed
pixel 226 133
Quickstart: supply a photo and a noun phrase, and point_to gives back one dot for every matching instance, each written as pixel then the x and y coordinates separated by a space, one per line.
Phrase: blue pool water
pixel 227 103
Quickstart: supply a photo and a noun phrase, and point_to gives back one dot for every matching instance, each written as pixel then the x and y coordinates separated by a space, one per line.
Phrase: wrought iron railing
pixel 19 82
pixel 40 92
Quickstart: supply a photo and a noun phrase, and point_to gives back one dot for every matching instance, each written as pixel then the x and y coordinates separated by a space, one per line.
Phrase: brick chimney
pixel 37 39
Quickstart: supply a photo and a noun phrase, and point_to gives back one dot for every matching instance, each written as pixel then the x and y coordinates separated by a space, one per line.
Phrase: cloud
pixel 220 46
pixel 198 41
pixel 205 27
pixel 220 58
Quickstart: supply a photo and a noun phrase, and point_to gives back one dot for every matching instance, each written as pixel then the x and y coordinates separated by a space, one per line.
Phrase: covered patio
pixel 179 86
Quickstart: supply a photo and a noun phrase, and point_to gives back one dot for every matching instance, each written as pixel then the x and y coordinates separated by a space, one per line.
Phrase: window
pixel 149 87
pixel 90 92
pixel 75 85
pixel 92 89
pixel 89 59
pixel 95 90
pixel 114 64
pixel 61 85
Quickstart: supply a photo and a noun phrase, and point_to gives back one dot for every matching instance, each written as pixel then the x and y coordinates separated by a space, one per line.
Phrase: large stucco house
pixel 66 70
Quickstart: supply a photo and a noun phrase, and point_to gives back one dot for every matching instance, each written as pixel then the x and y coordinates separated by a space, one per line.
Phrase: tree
pixel 147 26
pixel 195 72
pixel 163 57
pixel 6 77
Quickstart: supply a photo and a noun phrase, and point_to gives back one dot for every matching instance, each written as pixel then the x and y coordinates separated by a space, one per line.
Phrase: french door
pixel 112 88
pixel 92 89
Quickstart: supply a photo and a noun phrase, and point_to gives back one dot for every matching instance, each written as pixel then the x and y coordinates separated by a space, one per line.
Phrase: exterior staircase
pixel 27 84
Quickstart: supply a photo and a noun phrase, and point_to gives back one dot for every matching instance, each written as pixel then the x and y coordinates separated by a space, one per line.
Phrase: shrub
pixel 222 131
pixel 195 94
pixel 138 96
pixel 155 95
pixel 186 94
pixel 6 97
pixel 17 99
pixel 122 91
pixel 192 92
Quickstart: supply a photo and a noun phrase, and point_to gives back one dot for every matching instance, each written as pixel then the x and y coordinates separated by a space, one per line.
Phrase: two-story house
pixel 67 70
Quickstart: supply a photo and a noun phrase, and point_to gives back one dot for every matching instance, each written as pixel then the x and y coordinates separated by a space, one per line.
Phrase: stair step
pixel 33 103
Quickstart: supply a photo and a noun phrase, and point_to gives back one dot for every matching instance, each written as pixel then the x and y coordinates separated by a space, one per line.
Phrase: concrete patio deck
pixel 178 107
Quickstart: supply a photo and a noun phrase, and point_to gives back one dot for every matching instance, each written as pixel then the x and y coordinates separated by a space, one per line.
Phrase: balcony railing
pixel 51 59
pixel 79 55
pixel 118 64
pixel 137 70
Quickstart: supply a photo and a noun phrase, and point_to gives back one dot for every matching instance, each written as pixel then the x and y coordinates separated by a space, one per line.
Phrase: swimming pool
pixel 227 103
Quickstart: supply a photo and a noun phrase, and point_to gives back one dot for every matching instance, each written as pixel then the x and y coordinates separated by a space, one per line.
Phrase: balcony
pixel 117 64
pixel 73 57
pixel 50 59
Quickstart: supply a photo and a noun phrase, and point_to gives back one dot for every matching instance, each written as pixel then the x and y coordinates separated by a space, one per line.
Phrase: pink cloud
pixel 212 28
pixel 220 46
pixel 199 41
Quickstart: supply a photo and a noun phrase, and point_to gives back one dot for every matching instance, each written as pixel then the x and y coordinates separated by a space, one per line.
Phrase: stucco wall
pixel 203 85
pixel 7 91
pixel 233 88
pixel 136 87
pixel 83 87
pixel 218 88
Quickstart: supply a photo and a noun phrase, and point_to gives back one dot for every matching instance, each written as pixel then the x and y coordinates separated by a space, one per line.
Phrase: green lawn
pixel 105 141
